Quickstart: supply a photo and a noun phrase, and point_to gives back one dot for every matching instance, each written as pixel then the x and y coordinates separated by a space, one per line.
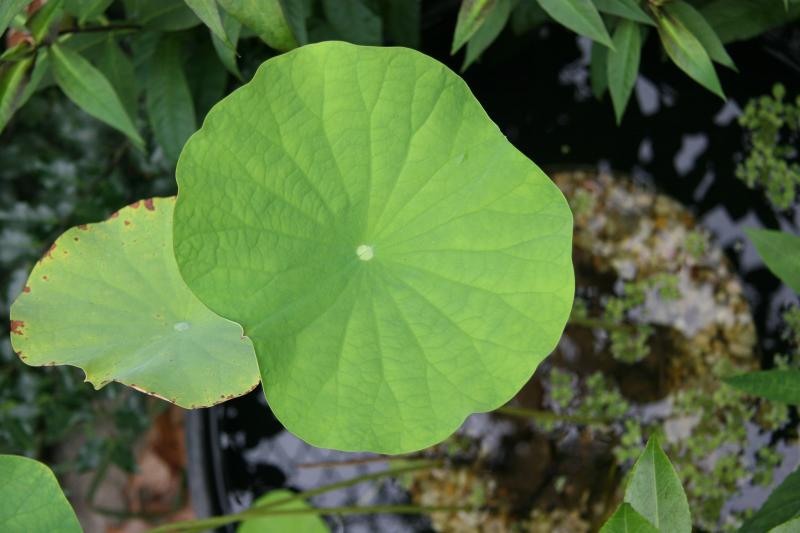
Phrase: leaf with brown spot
pixel 120 310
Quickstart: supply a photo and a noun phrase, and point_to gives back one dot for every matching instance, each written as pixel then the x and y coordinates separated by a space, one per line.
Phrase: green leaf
pixel 297 523
pixel 227 54
pixel 170 107
pixel 45 20
pixel 780 251
pixel 85 10
pixel 208 12
pixel 206 77
pixel 495 22
pixel 91 91
pixel 626 520
pixel 776 385
pixel 579 16
pixel 162 15
pixel 396 261
pixel 781 506
pixel 40 69
pixel 699 27
pixel 354 21
pixel 16 52
pixel 623 64
pixel 12 79
pixel 108 298
pixel 598 70
pixel 688 53
pixel 627 9
pixel 401 20
pixel 31 500
pixel 526 16
pixel 471 16
pixel 792 526
pixel 118 69
pixel 655 491
pixel 739 20
pixel 8 10
pixel 265 17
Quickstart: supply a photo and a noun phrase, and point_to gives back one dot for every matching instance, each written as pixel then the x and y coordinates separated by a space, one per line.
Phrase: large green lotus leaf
pixel 31 500
pixel 396 261
pixel 108 298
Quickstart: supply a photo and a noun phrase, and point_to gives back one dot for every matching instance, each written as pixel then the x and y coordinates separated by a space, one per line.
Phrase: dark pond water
pixel 675 137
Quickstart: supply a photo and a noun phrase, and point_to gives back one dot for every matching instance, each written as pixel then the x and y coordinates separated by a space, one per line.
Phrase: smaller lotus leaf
pixel 281 523
pixel 31 500
pixel 108 298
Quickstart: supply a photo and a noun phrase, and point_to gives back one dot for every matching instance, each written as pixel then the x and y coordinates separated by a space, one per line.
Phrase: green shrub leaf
pixel 782 506
pixel 780 252
pixel 627 9
pixel 354 21
pixel 655 491
pixel 108 298
pixel 401 19
pixel 397 263
pixel 626 520
pixel 227 54
pixel 471 16
pixel 598 70
pixel 488 32
pixel 118 68
pixel 776 385
pixel 623 64
pixel 792 526
pixel 208 12
pixel 688 53
pixel 31 499
pixel 296 523
pixel 8 10
pixel 738 20
pixel 169 100
pixel 579 16
pixel 12 85
pixel 163 15
pixel 267 18
pixel 90 90
pixel 700 28
pixel 86 9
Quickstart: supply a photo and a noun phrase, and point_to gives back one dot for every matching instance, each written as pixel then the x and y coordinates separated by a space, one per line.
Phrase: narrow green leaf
pixel 623 64
pixel 12 77
pixel 781 506
pixel 298 523
pixel 655 491
pixel 471 15
pixel 579 16
pixel 16 52
pixel 208 12
pixel 688 53
pixel 401 21
pixel 8 10
pixel 40 71
pixel 91 91
pixel 354 21
pixel 85 10
pixel 527 16
pixel 162 15
pixel 687 15
pixel 227 54
pixel 627 9
pixel 626 520
pixel 488 32
pixel 118 68
pixel 738 20
pixel 266 18
pixel 45 19
pixel 776 385
pixel 170 107
pixel 780 251
pixel 598 70
pixel 31 499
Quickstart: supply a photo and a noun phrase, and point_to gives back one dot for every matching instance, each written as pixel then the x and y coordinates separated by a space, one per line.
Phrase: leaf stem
pixel 548 416
pixel 95 29
pixel 599 323
pixel 270 508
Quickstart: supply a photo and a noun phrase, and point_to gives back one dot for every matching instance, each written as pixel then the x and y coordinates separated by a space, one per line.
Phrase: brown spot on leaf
pixel 45 278
pixel 127 222
pixel 16 327
pixel 26 289
pixel 75 239
pixel 148 204
pixel 115 214
pixel 83 227
pixel 49 253
pixel 135 204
